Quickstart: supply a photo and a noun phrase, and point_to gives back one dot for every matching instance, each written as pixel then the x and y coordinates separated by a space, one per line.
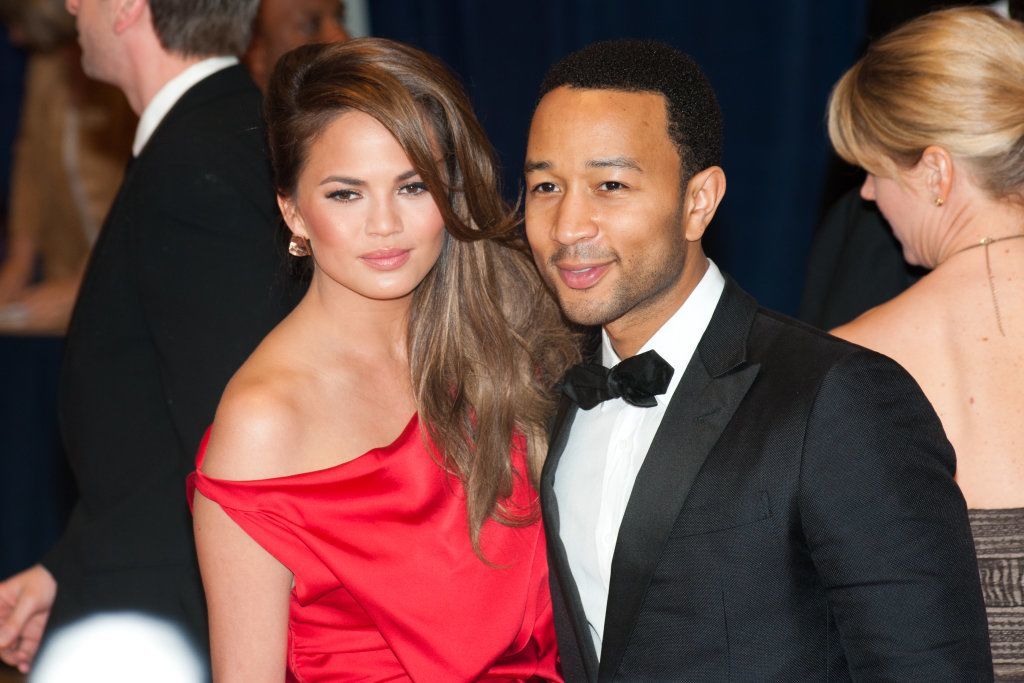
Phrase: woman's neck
pixel 983 221
pixel 349 323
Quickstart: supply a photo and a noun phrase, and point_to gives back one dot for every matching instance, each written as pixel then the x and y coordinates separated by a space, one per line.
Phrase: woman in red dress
pixel 364 504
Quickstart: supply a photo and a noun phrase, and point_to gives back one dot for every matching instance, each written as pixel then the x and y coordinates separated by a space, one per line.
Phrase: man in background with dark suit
pixel 740 497
pixel 182 285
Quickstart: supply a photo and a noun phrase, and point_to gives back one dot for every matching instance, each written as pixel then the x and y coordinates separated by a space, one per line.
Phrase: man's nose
pixel 574 219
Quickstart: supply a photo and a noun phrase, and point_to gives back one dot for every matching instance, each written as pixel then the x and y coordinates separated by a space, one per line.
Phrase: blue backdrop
pixel 772 63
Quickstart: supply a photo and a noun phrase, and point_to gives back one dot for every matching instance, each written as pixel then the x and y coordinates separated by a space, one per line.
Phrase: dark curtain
pixel 772 64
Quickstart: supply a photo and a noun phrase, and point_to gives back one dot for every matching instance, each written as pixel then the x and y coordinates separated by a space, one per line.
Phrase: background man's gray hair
pixel 204 28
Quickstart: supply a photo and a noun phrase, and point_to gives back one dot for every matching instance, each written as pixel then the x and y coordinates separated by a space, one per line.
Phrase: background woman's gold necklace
pixel 985 242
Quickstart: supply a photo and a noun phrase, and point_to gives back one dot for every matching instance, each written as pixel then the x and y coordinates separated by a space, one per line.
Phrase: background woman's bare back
pixel 943 331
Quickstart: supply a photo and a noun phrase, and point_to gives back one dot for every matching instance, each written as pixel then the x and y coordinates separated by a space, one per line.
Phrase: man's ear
pixel 936 164
pixel 128 13
pixel 702 196
pixel 292 217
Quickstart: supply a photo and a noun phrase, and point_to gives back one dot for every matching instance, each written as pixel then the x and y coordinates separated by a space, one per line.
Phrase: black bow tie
pixel 636 380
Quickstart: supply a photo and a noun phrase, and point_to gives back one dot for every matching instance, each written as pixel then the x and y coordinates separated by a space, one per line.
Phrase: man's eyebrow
pixel 536 166
pixel 616 162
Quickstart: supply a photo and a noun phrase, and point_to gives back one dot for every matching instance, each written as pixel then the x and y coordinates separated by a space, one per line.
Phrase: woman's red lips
pixel 386 259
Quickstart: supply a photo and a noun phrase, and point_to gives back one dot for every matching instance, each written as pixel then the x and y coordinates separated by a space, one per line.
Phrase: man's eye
pixel 611 186
pixel 311 26
pixel 544 188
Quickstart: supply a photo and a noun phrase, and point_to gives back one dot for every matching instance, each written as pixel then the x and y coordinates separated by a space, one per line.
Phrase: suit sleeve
pixel 211 280
pixel 888 530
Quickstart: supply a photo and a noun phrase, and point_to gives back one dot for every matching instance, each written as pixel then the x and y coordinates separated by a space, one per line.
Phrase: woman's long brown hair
pixel 486 341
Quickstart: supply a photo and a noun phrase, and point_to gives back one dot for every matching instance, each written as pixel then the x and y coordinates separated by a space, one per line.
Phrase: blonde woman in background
pixel 72 146
pixel 935 113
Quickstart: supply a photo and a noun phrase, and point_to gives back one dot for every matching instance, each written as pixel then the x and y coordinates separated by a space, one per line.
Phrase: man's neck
pixel 629 333
pixel 151 70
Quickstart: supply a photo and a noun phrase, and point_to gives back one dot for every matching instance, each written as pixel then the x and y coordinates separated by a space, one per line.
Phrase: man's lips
pixel 581 275
pixel 386 259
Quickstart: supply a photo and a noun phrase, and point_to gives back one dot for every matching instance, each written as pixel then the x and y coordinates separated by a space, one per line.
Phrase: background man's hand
pixel 25 602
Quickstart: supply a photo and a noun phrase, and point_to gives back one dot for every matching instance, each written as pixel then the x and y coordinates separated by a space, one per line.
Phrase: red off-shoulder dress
pixel 387 586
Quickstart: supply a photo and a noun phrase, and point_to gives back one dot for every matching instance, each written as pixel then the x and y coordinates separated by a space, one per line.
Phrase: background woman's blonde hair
pixel 953 78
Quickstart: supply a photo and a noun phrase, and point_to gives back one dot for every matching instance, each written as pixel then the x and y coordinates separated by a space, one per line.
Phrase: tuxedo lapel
pixel 558 560
pixel 712 387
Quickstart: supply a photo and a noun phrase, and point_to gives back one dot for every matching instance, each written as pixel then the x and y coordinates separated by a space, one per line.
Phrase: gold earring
pixel 939 201
pixel 299 246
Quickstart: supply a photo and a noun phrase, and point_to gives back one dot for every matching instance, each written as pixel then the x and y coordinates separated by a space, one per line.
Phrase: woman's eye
pixel 343 195
pixel 544 188
pixel 413 189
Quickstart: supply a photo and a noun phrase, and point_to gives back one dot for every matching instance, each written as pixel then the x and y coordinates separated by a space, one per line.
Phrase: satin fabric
pixel 387 587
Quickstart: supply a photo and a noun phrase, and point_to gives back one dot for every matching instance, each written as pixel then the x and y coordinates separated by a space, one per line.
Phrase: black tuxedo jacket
pixel 795 519
pixel 183 283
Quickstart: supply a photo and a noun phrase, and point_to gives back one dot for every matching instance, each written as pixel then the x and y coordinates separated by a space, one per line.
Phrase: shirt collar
pixel 169 95
pixel 677 339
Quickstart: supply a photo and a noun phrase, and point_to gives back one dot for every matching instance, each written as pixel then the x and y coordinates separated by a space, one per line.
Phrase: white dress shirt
pixel 167 96
pixel 606 448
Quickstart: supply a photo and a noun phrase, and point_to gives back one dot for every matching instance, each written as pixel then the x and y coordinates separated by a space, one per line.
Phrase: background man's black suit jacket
pixel 183 283
pixel 855 264
pixel 795 519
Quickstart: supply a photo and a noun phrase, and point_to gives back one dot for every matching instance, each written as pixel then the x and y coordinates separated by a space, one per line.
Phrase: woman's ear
pixel 291 215
pixel 936 166
pixel 704 193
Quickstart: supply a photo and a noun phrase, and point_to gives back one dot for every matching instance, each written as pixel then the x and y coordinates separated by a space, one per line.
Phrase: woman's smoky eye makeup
pixel 343 195
pixel 414 189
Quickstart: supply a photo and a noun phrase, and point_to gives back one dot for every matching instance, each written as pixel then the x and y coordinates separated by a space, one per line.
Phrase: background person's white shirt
pixel 608 445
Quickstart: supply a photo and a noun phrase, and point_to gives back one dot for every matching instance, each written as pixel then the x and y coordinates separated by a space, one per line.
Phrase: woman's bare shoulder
pixel 258 423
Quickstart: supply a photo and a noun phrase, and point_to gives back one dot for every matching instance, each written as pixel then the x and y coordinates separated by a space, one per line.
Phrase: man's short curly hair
pixel 694 118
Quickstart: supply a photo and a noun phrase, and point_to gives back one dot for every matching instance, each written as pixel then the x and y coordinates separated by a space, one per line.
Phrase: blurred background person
pixel 73 142
pixel 933 112
pixel 855 262
pixel 282 25
pixel 181 286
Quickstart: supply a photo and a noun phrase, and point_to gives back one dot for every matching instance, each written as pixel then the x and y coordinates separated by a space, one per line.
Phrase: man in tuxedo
pixel 740 497
pixel 182 285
